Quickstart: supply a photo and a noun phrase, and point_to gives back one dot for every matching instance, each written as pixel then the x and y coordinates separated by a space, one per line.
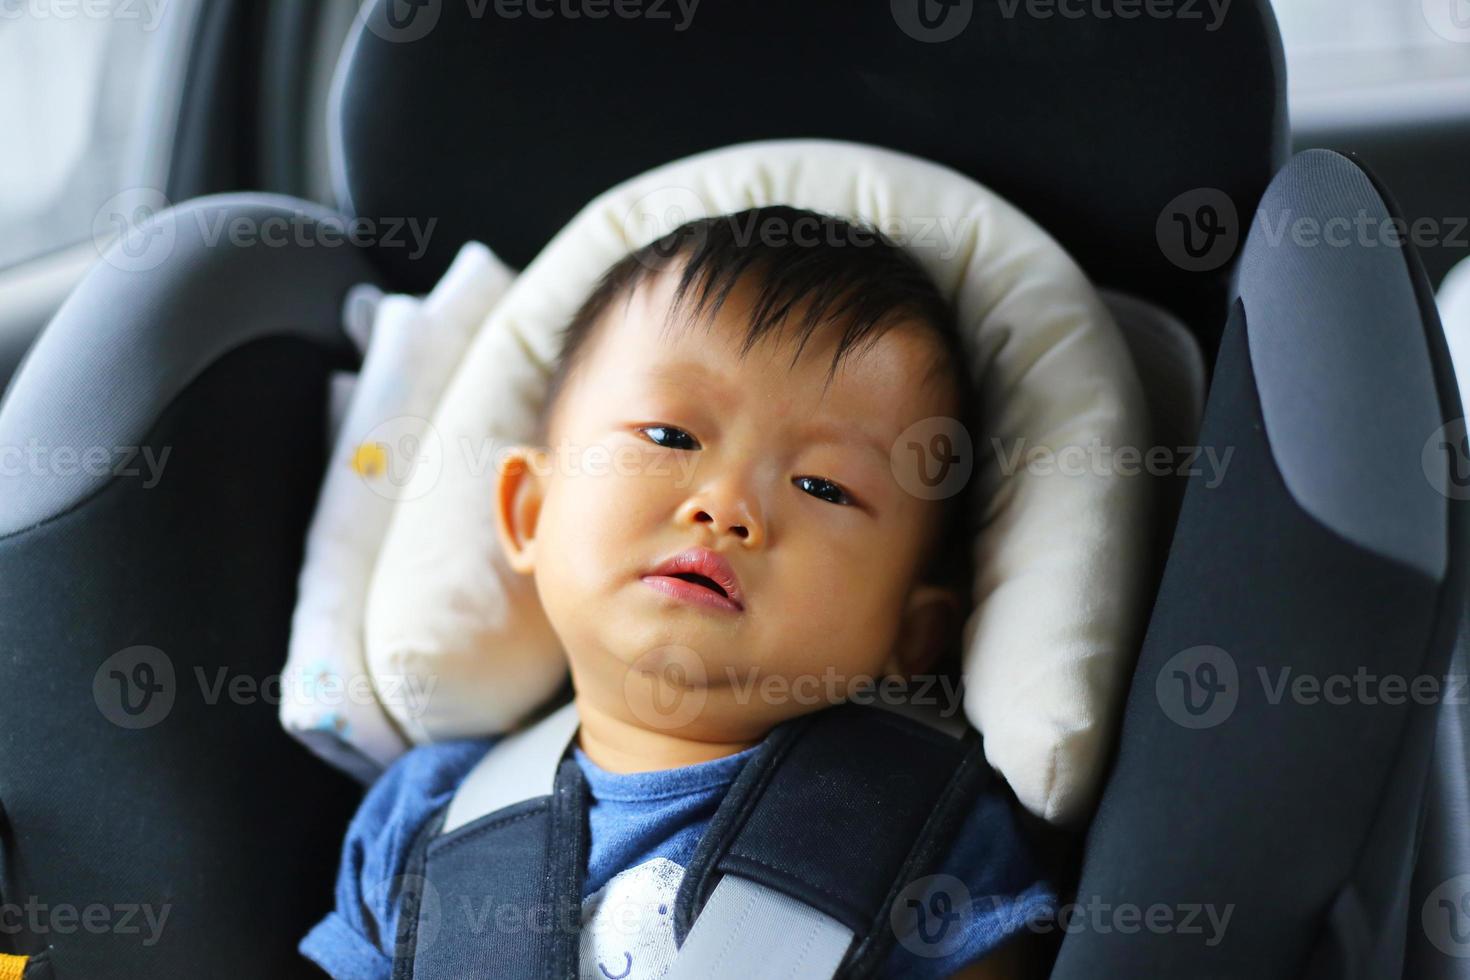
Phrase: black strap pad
pixel 840 810
pixel 500 896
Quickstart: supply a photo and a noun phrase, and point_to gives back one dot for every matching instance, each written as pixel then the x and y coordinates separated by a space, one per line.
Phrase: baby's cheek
pixel 844 623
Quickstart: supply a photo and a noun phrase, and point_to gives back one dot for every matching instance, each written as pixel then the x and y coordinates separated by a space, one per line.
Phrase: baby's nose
pixel 726 516
pixel 739 530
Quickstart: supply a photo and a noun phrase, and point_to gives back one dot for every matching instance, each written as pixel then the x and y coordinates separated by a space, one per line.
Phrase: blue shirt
pixel 644 828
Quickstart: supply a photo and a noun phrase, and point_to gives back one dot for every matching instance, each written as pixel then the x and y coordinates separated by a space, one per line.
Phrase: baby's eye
pixel 677 438
pixel 823 489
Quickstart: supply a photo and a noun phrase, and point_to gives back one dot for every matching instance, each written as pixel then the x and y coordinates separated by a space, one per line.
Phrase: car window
pixel 1342 47
pixel 88 103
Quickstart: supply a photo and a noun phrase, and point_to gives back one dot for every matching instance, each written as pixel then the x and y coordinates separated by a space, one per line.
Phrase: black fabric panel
pixel 566 868
pixel 485 912
pixel 1259 807
pixel 836 813
pixel 502 128
pixel 209 810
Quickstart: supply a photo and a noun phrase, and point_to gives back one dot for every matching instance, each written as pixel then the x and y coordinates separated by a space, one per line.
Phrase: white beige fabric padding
pixel 329 701
pixel 1062 553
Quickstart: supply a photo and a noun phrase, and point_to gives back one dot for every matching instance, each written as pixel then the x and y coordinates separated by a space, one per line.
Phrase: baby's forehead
pixel 648 357
pixel 654 324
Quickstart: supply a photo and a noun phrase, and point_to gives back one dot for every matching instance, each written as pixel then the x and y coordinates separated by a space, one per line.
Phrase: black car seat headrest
pixel 499 120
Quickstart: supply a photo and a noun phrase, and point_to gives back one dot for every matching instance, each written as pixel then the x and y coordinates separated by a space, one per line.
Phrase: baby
pixel 757 368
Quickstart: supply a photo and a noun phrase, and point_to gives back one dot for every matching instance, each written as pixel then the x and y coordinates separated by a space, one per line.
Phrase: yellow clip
pixel 371 459
pixel 12 967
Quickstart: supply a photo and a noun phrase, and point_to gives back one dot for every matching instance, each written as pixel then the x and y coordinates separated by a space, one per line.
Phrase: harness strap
pixel 756 933
pixel 797 874
pixel 493 884
pixel 522 767
pixel 839 810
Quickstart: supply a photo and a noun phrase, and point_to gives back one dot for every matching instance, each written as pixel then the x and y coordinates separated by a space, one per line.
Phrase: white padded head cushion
pixel 1061 557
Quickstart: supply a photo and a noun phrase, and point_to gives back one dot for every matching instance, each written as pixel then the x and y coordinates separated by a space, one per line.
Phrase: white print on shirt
pixel 628 931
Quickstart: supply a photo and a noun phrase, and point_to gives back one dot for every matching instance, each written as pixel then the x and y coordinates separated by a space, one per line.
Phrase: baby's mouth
pixel 703 580
pixel 698 576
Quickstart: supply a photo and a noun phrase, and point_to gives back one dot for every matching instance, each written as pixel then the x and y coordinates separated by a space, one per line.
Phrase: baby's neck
pixel 620 746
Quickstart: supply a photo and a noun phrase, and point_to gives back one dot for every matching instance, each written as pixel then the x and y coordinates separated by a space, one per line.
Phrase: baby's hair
pixel 808 269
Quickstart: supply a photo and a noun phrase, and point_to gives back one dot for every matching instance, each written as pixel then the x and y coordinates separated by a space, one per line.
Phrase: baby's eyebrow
pixel 680 371
pixel 845 435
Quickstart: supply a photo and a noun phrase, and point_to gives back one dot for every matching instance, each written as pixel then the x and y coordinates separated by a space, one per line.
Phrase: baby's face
pixel 669 440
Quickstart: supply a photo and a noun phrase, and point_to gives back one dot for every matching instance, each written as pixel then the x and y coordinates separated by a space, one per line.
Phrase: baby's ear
pixel 519 490
pixel 931 620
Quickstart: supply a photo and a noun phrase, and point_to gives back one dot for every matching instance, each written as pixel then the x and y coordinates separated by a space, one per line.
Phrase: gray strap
pixel 522 767
pixel 747 931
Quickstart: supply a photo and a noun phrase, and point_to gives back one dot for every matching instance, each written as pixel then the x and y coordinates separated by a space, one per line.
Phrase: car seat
pixel 1143 145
